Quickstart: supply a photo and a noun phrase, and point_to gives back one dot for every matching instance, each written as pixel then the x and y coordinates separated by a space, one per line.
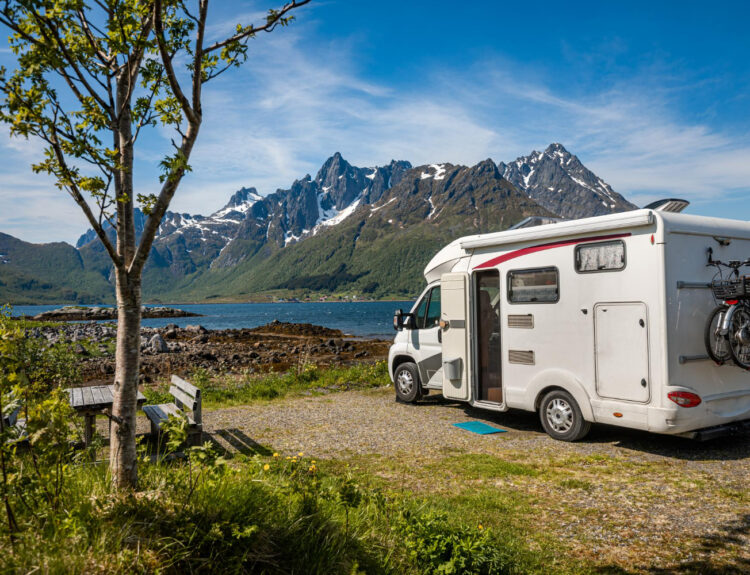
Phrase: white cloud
pixel 297 101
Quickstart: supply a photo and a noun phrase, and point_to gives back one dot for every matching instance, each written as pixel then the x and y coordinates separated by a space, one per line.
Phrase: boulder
pixel 158 345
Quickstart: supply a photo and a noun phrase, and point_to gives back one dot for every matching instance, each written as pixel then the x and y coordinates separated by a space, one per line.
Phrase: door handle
pixel 440 336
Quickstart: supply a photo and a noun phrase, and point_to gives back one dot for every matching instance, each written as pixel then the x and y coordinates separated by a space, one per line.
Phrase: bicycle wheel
pixel 717 345
pixel 739 337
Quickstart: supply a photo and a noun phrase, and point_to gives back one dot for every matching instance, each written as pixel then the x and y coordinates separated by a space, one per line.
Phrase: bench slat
pixel 97 394
pixel 188 401
pixel 161 412
pixel 186 386
pixel 88 396
pixel 77 396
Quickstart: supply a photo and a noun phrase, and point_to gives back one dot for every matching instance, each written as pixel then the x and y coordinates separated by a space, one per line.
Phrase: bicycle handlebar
pixel 731 264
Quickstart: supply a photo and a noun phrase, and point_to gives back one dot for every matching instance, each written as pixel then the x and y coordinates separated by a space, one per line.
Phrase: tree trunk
pixel 123 461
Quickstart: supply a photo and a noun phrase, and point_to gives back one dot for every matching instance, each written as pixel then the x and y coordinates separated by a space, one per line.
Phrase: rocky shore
pixel 276 346
pixel 78 313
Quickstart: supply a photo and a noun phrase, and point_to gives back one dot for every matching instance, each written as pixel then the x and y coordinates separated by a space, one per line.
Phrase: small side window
pixel 420 311
pixel 540 285
pixel 600 257
pixel 433 310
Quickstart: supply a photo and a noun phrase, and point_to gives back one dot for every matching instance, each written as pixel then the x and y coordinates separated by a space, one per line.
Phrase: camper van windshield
pixel 533 286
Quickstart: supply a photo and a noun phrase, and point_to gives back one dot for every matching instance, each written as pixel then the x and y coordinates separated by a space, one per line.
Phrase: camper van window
pixel 433 309
pixel 428 311
pixel 421 309
pixel 600 257
pixel 540 285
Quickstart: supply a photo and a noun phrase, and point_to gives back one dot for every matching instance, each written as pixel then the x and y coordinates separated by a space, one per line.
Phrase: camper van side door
pixel 454 325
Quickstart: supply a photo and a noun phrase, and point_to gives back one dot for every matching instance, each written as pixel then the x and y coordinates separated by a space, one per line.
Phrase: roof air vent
pixel 668 205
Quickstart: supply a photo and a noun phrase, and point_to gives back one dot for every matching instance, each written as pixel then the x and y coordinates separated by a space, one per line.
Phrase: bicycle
pixel 727 332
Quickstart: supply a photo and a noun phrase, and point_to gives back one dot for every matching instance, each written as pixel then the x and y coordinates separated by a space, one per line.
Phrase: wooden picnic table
pixel 93 400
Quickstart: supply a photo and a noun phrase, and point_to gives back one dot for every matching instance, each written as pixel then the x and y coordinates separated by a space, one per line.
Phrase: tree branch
pixel 174 83
pixel 267 27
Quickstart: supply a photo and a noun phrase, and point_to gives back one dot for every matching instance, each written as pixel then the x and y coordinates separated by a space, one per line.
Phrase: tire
pixel 740 351
pixel 561 417
pixel 406 382
pixel 717 346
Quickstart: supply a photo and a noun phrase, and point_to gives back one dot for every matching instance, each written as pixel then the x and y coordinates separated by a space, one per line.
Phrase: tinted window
pixel 433 310
pixel 533 286
pixel 420 311
pixel 600 257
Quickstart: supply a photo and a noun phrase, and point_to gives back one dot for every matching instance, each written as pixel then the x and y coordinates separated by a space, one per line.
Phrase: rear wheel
pixel 739 338
pixel 406 381
pixel 717 344
pixel 561 417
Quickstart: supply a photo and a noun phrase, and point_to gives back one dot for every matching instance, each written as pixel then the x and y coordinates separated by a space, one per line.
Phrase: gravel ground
pixel 633 501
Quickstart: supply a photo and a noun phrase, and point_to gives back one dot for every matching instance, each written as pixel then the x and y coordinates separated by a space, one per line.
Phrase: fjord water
pixel 363 319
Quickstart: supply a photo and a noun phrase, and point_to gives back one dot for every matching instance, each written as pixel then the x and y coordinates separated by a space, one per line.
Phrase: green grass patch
pixel 479 466
pixel 573 483
pixel 225 391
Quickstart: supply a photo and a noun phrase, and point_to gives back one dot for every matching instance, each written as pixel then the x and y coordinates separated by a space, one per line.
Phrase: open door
pixel 453 324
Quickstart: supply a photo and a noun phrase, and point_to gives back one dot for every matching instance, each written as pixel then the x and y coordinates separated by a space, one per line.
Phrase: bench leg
pixel 88 429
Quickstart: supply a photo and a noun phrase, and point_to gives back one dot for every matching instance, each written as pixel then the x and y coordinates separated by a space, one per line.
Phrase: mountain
pixel 347 230
pixel 558 181
pixel 47 273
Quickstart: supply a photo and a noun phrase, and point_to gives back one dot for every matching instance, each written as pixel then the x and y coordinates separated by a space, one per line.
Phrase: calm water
pixel 364 319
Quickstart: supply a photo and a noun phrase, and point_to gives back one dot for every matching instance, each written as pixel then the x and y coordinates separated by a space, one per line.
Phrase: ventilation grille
pixel 525 321
pixel 522 357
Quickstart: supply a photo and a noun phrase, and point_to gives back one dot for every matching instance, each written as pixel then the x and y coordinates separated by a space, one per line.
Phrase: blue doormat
pixel 479 427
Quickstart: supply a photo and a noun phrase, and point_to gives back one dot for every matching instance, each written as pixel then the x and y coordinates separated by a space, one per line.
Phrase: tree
pixel 91 76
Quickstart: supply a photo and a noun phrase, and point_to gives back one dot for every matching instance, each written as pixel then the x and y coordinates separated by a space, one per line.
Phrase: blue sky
pixel 654 97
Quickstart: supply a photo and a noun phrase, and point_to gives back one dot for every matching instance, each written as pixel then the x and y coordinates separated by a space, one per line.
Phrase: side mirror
pixel 402 320
pixel 398 320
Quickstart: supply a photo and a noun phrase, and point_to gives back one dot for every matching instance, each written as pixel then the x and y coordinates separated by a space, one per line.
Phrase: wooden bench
pixel 187 402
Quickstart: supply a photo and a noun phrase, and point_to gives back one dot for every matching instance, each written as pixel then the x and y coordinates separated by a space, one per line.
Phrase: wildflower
pixel 313 462
pixel 275 454
pixel 288 457
pixel 312 468
pixel 480 527
pixel 266 467
pixel 301 454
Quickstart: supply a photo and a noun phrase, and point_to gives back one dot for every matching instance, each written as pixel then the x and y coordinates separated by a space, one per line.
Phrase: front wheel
pixel 406 380
pixel 739 338
pixel 717 344
pixel 561 417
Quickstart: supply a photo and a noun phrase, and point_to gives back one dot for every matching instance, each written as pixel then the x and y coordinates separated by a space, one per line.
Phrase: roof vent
pixel 668 205
pixel 533 221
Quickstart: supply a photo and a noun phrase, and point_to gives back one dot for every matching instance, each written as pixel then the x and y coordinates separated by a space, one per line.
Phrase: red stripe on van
pixel 525 251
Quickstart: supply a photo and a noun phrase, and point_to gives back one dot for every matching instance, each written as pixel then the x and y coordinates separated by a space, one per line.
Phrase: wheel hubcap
pixel 405 382
pixel 559 415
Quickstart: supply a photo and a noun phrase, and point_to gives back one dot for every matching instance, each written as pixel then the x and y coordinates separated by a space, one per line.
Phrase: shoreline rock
pixel 277 346
pixel 75 313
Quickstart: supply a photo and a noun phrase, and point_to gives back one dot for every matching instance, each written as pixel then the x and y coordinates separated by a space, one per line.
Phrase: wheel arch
pixel 558 379
pixel 398 360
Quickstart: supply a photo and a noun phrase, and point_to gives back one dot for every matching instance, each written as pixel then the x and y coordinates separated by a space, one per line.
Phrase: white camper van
pixel 599 320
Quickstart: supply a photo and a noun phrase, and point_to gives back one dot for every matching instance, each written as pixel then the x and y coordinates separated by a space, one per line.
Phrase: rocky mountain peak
pixel 558 181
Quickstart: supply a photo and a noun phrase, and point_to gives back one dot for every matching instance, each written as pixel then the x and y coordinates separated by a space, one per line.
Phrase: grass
pixel 476 466
pixel 226 391
pixel 259 515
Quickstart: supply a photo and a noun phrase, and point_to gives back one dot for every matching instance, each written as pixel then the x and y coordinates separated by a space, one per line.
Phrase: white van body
pixel 624 328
